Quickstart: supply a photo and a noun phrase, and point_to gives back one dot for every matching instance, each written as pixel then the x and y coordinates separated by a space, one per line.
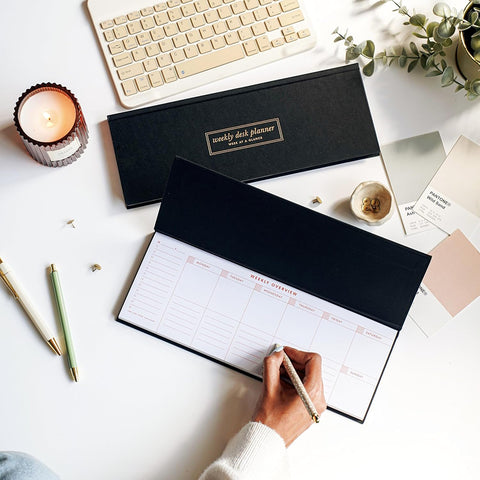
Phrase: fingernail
pixel 277 348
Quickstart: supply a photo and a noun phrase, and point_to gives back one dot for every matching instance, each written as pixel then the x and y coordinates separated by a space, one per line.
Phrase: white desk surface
pixel 144 409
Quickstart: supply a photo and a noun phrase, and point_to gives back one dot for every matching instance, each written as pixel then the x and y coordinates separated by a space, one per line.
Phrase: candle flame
pixel 48 118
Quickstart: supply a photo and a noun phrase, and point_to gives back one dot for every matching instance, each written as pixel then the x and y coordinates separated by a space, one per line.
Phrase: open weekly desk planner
pixel 232 270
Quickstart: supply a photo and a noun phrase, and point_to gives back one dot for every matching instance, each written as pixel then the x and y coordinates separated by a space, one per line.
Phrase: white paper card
pixel 452 199
pixel 236 315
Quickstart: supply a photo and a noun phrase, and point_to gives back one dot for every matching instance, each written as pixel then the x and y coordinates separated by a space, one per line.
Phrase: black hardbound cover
pixel 251 133
pixel 340 263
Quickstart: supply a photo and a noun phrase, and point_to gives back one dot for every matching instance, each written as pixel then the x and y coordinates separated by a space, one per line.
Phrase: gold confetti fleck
pixel 72 223
pixel 317 200
pixel 96 266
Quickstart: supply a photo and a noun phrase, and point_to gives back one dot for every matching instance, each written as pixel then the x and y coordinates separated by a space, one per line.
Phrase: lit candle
pixel 51 124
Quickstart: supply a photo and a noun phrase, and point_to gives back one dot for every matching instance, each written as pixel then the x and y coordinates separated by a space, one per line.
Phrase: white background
pixel 144 409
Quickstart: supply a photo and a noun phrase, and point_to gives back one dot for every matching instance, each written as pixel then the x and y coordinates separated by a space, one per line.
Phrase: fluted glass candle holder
pixel 51 124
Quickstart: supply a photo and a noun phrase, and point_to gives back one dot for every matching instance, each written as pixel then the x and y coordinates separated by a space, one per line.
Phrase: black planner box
pixel 251 133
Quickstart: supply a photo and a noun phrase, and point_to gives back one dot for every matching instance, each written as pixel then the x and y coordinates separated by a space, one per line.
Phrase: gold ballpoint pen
pixel 19 293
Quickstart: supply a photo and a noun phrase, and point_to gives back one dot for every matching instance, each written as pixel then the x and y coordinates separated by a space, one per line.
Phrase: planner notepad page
pixel 234 315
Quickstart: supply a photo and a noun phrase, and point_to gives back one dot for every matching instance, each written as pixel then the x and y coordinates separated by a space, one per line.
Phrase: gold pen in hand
pixel 19 293
pixel 297 383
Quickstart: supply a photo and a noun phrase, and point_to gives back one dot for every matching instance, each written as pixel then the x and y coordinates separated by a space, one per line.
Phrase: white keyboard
pixel 175 45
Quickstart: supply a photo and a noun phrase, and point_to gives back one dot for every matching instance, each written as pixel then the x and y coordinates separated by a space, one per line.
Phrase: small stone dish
pixel 371 202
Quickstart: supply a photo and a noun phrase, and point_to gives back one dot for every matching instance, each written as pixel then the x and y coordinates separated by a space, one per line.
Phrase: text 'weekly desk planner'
pixel 232 270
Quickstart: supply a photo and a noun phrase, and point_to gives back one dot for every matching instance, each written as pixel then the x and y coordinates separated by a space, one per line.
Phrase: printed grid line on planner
pixel 235 315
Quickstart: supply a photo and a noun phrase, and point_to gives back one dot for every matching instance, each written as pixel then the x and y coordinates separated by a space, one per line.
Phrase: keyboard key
pixel 150 64
pixel 263 43
pixel 260 14
pixel 215 3
pixel 173 3
pixel 106 24
pixel 209 61
pixel 147 23
pixel 134 27
pixel 119 20
pixel 142 83
pixel 109 35
pixel 206 32
pixel 245 33
pixel 169 74
pixel 179 41
pixel 272 24
pixel 155 79
pixel 130 71
pixel 251 4
pixel 130 42
pixel 239 7
pixel 218 42
pixel 159 7
pixel 164 60
pixel 116 48
pixel 250 47
pixel 288 5
pixel 152 50
pixel 120 32
pixel 274 9
pixel 184 25
pixel 201 5
pixel 178 56
pixel 291 18
pixel 129 87
pixel 204 47
pixel 157 34
pixel 161 18
pixel 278 42
pixel 134 15
pixel 304 33
pixel 259 28
pixel 143 38
pixel 291 38
pixel 233 23
pixel 122 59
pixel 247 18
pixel 220 27
pixel 147 11
pixel 174 14
pixel 193 36
pixel 166 45
pixel 188 9
pixel 198 21
pixel 191 51
pixel 231 38
pixel 139 54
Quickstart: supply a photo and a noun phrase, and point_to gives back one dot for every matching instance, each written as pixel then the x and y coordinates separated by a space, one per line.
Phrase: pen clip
pixel 9 285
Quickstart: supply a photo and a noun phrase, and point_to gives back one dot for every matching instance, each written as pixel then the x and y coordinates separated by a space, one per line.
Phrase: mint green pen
pixel 62 312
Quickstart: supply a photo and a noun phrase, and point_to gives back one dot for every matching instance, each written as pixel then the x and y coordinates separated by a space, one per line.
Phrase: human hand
pixel 280 407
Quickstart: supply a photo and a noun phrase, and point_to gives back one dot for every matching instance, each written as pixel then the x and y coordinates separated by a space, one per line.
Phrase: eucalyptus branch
pixel 430 55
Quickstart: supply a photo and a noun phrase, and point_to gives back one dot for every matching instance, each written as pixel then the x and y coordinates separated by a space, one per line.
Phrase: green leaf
pixel 431 27
pixel 459 87
pixel 430 61
pixel 351 54
pixel 447 77
pixel 445 29
pixel 463 25
pixel 423 62
pixel 433 73
pixel 441 10
pixel 369 49
pixel 475 87
pixel 402 61
pixel 335 31
pixel 414 48
pixel 338 39
pixel 418 20
pixel 473 17
pixel 447 43
pixel 444 64
pixel 369 68
pixel 419 35
pixel 412 65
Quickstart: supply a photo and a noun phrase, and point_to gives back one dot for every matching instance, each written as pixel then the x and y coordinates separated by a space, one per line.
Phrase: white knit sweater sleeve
pixel 255 452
